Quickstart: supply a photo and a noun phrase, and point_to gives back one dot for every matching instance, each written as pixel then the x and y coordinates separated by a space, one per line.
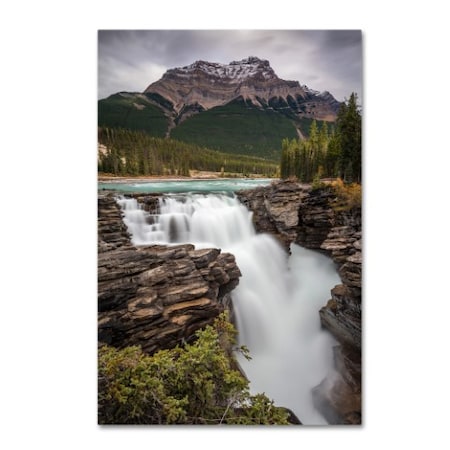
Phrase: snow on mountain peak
pixel 235 70
pixel 210 84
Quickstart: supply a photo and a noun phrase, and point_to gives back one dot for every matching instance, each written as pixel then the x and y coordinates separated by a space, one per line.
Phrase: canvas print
pixel 229 227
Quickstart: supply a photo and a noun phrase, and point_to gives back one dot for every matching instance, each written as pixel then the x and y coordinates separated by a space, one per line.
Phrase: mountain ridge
pixel 203 85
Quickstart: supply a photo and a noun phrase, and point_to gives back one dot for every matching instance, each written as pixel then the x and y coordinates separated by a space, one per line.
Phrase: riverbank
pixel 195 175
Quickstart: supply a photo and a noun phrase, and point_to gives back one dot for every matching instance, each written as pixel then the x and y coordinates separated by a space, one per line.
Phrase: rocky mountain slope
pixel 241 107
pixel 204 85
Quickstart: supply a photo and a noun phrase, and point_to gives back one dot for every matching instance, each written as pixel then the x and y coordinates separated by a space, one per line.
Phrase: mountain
pixel 133 111
pixel 241 107
pixel 204 85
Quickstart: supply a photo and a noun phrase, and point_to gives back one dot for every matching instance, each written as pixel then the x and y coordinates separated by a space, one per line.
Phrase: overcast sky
pixel 130 60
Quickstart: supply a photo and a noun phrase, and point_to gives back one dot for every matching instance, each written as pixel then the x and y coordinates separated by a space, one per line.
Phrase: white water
pixel 276 302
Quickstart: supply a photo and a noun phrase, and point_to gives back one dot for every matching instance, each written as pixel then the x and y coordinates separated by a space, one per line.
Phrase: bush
pixel 197 384
pixel 348 196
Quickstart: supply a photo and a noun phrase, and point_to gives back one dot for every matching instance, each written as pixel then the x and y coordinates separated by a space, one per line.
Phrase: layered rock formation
pixel 295 213
pixel 275 209
pixel 204 85
pixel 156 296
pixel 112 232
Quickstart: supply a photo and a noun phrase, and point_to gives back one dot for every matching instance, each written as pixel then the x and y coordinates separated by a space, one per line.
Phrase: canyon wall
pixel 296 213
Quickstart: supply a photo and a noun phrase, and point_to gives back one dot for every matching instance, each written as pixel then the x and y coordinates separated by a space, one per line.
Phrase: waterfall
pixel 277 300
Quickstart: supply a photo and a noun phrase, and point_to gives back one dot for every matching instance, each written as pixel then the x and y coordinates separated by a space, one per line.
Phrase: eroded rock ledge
pixel 156 296
pixel 293 212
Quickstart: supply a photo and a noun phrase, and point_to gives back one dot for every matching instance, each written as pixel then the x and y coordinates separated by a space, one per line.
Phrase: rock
pixel 293 212
pixel 203 85
pixel 345 326
pixel 156 296
pixel 340 243
pixel 150 202
pixel 337 401
pixel 202 258
pixel 275 209
pixel 111 231
pixel 351 270
pixel 316 219
pixel 338 397
pixel 358 244
pixel 292 418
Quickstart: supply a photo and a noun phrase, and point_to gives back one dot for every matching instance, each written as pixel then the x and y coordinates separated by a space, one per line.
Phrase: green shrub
pixel 199 383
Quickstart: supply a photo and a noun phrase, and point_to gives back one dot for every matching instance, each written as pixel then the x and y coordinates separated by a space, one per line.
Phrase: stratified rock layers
pixel 204 85
pixel 156 296
pixel 293 212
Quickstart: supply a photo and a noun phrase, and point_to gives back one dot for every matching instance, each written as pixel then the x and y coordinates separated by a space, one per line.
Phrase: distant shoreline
pixel 165 178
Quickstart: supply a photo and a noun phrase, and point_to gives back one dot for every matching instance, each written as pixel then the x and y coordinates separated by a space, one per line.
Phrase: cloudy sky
pixel 130 60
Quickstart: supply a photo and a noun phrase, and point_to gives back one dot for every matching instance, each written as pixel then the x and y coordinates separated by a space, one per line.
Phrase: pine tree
pixel 349 130
pixel 284 164
pixel 333 156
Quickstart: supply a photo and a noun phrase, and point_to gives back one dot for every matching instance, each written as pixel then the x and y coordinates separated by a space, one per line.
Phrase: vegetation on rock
pixel 348 195
pixel 199 383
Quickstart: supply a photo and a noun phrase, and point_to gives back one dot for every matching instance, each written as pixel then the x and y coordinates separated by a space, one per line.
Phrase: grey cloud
pixel 322 59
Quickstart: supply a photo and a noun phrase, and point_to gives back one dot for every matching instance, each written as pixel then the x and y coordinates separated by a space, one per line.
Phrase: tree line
pixel 329 151
pixel 131 153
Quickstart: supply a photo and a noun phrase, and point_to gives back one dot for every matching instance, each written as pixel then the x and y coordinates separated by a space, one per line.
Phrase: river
pixel 278 297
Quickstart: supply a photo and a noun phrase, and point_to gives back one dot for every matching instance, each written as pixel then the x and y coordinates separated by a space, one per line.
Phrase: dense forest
pixel 133 112
pixel 238 128
pixel 329 151
pixel 132 153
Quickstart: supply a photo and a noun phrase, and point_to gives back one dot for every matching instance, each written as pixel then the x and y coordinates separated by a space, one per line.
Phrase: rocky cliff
pixel 204 85
pixel 293 212
pixel 156 296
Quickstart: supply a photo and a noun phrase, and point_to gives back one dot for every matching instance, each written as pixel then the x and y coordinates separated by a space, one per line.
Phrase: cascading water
pixel 276 302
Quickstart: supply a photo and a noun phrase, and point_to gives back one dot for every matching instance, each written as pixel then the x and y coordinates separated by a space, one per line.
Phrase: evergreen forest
pixel 330 151
pixel 132 153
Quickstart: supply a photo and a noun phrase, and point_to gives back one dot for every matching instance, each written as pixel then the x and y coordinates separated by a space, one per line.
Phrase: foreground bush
pixel 197 384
